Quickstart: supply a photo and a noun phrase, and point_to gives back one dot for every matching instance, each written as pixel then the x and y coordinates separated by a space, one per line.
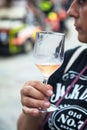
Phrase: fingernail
pixel 50 92
pixel 46 104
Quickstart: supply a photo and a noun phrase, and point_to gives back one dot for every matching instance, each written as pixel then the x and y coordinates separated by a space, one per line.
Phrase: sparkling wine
pixel 48 69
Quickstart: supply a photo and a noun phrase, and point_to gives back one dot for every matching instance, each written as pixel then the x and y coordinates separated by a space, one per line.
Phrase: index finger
pixel 45 89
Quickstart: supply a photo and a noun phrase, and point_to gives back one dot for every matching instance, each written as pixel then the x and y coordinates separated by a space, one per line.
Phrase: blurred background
pixel 19 22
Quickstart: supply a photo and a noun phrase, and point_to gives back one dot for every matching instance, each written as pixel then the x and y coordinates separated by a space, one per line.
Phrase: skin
pixel 78 10
pixel 35 94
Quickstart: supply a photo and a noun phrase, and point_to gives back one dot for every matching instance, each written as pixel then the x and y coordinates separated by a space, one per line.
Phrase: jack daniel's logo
pixel 76 92
pixel 69 117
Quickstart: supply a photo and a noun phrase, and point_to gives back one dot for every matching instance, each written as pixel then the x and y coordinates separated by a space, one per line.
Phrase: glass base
pixel 50 109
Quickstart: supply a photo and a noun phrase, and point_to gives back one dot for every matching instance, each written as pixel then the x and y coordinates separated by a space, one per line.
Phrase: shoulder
pixel 70 52
pixel 67 56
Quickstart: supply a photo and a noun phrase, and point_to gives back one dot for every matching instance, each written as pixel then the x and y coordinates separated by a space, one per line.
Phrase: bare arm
pixel 29 123
pixel 33 95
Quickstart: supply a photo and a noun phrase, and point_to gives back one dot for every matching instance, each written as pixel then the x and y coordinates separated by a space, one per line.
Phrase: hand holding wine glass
pixel 49 54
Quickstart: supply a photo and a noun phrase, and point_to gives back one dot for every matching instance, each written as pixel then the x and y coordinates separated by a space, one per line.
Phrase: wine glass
pixel 49 55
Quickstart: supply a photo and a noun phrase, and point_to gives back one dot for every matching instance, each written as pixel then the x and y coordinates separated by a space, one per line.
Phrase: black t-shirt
pixel 72 111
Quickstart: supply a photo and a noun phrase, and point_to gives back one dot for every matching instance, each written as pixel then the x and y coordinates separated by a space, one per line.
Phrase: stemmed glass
pixel 49 55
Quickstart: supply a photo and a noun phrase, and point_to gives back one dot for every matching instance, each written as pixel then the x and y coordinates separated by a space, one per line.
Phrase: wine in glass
pixel 49 55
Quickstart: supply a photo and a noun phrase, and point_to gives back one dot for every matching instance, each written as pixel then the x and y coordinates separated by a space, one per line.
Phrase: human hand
pixel 35 95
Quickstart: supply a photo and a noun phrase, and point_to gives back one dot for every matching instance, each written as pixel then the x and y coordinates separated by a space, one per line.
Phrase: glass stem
pixel 45 80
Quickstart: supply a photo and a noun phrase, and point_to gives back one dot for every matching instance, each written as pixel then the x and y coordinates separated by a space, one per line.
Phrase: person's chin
pixel 82 38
